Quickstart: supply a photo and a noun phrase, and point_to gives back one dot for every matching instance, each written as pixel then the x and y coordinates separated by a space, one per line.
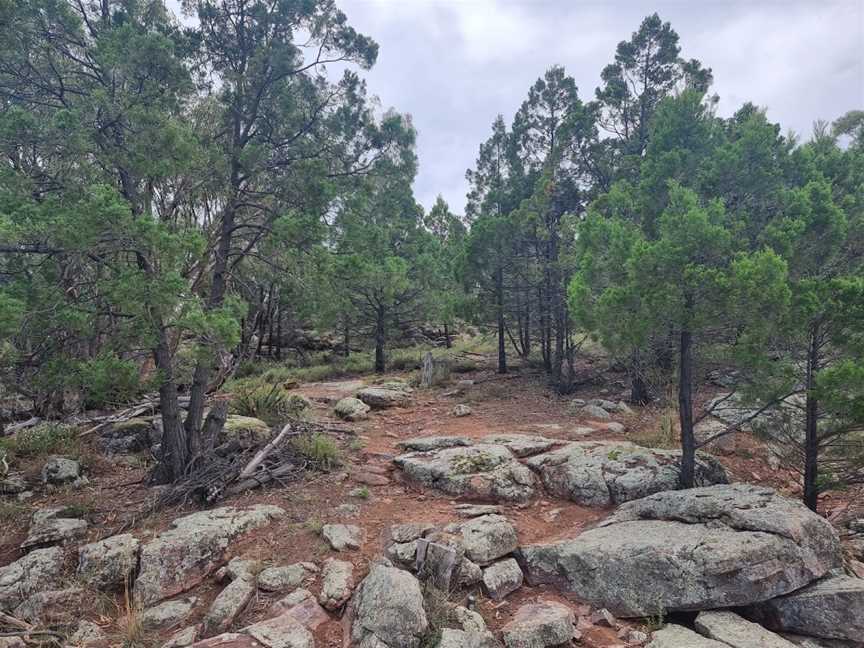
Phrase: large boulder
pixel 388 610
pixel 832 608
pixel 675 636
pixel 109 563
pixel 703 548
pixel 737 632
pixel 246 430
pixel 179 558
pixel 482 471
pixel 384 396
pixel 603 473
pixel 38 571
pixel 486 538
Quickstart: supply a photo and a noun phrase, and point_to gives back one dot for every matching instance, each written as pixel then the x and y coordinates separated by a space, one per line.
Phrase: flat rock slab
pixel 337 583
pixel 486 538
pixel 538 625
pixel 703 548
pixel 179 558
pixel 522 445
pixel 675 636
pixel 109 563
pixel 832 608
pixel 425 444
pixel 351 409
pixel 50 527
pixel 278 632
pixel 604 473
pixel 501 579
pixel 482 471
pixel 342 537
pixel 737 632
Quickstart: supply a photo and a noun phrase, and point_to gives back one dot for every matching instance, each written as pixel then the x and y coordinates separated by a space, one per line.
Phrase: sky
pixel 453 65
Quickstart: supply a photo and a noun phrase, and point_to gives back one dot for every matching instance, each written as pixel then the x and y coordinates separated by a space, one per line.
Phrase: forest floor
pixel 116 499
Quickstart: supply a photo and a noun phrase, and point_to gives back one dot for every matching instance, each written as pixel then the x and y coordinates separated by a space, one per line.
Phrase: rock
pixel 470 620
pixel 337 583
pixel 486 538
pixel 675 636
pixel 383 397
pixel 247 430
pixel 184 637
pixel 342 536
pixel 13 485
pixel 301 606
pixel 88 635
pixel 433 371
pixel 351 409
pixel 594 412
pixel 856 525
pixel 179 558
pixel 49 527
pixel 52 607
pixel 228 604
pixel 461 410
pixel 38 571
pixel 451 638
pixel 12 642
pixel 832 608
pixel 637 637
pixel 732 630
pixel 709 427
pixel 602 473
pixel 501 579
pixel 425 444
pixel 388 608
pixel 124 437
pixel 537 625
pixel 278 579
pixel 522 445
pixel 482 471
pixel 470 573
pixel 168 614
pixel 61 470
pixel 410 531
pixel 703 548
pixel 370 479
pixel 813 642
pixel 604 617
pixel 109 563
pixel 438 559
pixel 476 510
pixel 281 632
pixel 403 553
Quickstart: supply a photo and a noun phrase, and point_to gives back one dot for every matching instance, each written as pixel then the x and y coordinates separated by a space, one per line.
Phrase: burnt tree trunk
pixel 811 431
pixel 499 308
pixel 380 340
pixel 685 411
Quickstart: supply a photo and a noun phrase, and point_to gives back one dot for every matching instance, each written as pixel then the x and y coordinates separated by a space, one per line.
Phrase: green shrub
pixel 41 440
pixel 271 404
pixel 319 449
pixel 108 380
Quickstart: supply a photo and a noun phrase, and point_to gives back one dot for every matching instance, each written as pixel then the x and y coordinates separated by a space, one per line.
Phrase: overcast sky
pixel 455 64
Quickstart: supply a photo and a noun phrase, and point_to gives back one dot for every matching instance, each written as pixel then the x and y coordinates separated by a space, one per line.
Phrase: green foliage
pixel 269 402
pixel 318 449
pixel 108 380
pixel 40 441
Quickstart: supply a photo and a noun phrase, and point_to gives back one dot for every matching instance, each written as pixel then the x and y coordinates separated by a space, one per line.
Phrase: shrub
pixel 319 449
pixel 41 440
pixel 108 380
pixel 271 404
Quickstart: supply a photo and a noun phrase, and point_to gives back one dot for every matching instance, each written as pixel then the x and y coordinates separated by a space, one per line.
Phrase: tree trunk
pixel 811 432
pixel 346 338
pixel 380 341
pixel 685 411
pixel 447 342
pixel 279 332
pixel 499 304
pixel 175 455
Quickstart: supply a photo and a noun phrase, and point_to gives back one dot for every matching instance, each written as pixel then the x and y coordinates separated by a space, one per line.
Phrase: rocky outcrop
pixel 482 471
pixel 109 563
pixel 698 549
pixel 38 571
pixel 538 625
pixel 603 473
pixel 735 631
pixel 51 526
pixel 388 610
pixel 351 409
pixel 832 608
pixel 182 556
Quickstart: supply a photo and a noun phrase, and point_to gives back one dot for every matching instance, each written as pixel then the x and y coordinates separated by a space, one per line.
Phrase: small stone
pixel 351 409
pixel 637 637
pixel 348 510
pixel 605 618
pixel 183 638
pixel 476 510
pixel 337 583
pixel 371 479
pixel 278 579
pixel 404 553
pixel 168 614
pixel 60 470
pixel 88 635
pixel 409 531
pixel 538 625
pixel 470 573
pixel 301 606
pixel 227 606
pixel 461 410
pixel 342 536
pixel 502 578
pixel 470 620
pixel 280 632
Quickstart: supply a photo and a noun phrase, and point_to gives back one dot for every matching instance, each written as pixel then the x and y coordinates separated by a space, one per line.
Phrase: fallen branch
pixel 266 450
